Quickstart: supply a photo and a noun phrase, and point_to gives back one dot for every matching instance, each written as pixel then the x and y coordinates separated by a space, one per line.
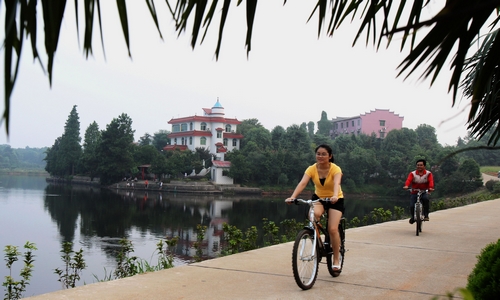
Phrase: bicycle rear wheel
pixel 329 257
pixel 304 263
pixel 418 219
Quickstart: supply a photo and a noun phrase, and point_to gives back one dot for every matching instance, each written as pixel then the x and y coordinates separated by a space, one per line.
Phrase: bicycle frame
pixel 315 225
pixel 309 248
pixel 418 209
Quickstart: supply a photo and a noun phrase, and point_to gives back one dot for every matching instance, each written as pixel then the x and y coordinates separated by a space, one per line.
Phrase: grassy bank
pixel 34 172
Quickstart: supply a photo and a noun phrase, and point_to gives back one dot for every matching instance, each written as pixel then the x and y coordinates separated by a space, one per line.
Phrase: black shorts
pixel 339 205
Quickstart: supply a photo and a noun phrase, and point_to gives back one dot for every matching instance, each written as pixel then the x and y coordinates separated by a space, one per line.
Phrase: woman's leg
pixel 334 217
pixel 318 210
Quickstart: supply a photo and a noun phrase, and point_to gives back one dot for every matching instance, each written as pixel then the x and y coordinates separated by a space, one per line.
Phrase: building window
pixel 175 141
pixel 341 125
pixel 176 128
pixel 382 135
pixel 382 122
pixel 359 122
pixel 228 128
pixel 183 141
pixel 336 126
pixel 224 141
pixel 347 124
pixel 191 126
pixel 352 123
pixel 184 127
pixel 219 134
pixel 235 142
pixel 190 140
pixel 203 140
pixel 203 126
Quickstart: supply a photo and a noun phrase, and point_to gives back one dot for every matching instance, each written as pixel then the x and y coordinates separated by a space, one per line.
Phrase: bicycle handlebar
pixel 418 190
pixel 309 201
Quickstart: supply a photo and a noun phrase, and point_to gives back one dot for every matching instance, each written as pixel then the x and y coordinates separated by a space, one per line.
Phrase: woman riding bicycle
pixel 326 177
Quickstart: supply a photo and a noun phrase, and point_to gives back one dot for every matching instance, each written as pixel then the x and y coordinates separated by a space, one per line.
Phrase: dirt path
pixel 487 178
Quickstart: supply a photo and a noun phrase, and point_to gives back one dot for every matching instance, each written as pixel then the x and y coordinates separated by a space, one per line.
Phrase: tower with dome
pixel 212 131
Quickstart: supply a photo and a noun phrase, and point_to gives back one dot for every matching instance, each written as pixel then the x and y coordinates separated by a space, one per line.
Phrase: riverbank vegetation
pixel 275 160
pixel 22 160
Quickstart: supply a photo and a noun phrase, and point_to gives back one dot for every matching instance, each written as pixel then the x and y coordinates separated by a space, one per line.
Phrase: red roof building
pixel 212 131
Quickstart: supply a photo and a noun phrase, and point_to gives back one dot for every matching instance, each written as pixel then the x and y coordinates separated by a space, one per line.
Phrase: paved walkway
pixel 384 261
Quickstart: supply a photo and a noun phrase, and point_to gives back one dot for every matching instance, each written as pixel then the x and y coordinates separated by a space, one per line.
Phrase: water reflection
pixel 112 215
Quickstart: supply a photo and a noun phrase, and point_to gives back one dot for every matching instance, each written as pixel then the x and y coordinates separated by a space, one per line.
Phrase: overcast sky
pixel 290 77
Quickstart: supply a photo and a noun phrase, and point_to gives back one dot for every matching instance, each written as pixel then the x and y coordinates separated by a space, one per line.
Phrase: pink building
pixel 379 122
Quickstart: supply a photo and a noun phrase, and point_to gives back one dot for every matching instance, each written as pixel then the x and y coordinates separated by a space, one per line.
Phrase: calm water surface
pixel 95 220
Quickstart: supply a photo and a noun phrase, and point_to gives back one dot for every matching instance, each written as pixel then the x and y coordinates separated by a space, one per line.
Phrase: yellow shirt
pixel 326 190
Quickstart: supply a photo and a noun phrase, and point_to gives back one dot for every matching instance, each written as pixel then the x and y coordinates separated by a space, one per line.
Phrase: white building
pixel 212 131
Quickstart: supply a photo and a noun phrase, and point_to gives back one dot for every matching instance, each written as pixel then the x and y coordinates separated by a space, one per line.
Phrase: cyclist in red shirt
pixel 420 179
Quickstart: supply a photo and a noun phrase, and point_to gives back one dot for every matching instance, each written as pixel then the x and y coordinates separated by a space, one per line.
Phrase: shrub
pixel 489 185
pixel 484 280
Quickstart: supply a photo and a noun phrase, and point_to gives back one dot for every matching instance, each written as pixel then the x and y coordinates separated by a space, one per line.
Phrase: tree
pixel 204 156
pixel 64 156
pixel 179 162
pixel 52 166
pixel 70 149
pixel 145 140
pixel 160 139
pixel 324 125
pixel 245 126
pixel 277 135
pixel 145 154
pixel 8 157
pixel 91 142
pixel 116 150
pixel 427 137
pixel 259 135
pixel 470 168
pixel 310 128
pixel 453 31
pixel 159 165
pixel 298 139
pixel 240 167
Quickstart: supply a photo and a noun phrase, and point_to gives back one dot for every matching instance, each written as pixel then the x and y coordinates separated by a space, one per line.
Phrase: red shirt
pixel 423 181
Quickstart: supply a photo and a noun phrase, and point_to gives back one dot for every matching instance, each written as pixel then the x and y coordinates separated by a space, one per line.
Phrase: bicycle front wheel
pixel 305 260
pixel 418 219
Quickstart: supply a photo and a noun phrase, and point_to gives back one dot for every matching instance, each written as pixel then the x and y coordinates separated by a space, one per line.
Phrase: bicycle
pixel 309 249
pixel 418 212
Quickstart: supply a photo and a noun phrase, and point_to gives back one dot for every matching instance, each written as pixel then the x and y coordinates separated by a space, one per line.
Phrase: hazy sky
pixel 290 77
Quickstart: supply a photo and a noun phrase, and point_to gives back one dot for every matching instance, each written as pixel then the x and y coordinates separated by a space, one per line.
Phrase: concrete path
pixel 384 261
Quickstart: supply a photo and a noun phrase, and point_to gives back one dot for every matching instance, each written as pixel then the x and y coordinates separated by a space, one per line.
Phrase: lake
pixel 95 220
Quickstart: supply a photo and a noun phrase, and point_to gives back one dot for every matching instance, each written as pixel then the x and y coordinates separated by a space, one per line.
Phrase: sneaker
pixel 412 221
pixel 426 219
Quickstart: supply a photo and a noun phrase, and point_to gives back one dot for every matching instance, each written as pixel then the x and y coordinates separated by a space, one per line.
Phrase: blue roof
pixel 217 104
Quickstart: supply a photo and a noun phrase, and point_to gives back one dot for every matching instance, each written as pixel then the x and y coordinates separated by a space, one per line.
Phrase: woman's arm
pixel 336 187
pixel 300 186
